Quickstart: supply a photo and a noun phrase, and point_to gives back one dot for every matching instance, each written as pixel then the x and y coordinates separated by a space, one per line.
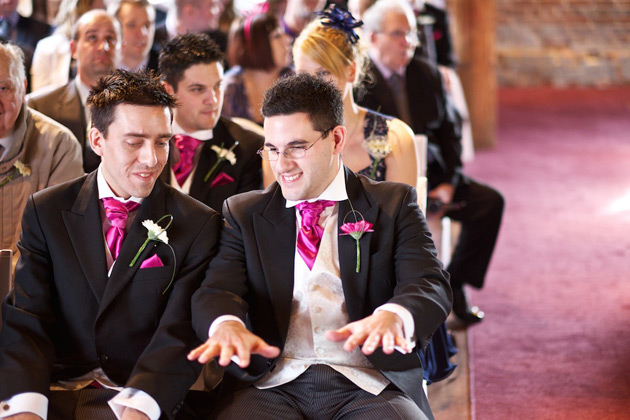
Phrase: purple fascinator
pixel 339 18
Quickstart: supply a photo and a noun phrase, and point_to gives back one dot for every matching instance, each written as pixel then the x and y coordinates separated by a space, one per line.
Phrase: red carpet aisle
pixel 556 340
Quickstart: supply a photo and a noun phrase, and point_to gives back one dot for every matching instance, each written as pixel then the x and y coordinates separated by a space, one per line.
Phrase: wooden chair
pixel 6 274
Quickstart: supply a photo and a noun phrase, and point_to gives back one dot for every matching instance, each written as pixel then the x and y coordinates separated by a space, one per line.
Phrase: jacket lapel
pixel 276 221
pixel 153 207
pixel 355 284
pixel 85 229
pixel 208 157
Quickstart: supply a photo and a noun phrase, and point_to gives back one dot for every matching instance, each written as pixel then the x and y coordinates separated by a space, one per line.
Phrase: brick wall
pixel 563 42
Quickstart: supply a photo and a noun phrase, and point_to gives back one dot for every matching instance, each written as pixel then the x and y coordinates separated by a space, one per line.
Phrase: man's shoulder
pixel 254 201
pixel 51 129
pixel 185 204
pixel 62 194
pixel 383 191
pixel 44 97
pixel 247 138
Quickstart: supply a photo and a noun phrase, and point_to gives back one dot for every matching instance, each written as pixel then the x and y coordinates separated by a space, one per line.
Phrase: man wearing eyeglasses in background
pixel 322 324
pixel 411 89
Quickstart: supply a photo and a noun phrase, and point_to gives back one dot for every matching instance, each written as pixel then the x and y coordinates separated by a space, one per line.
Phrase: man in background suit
pixel 411 89
pixel 23 31
pixel 95 45
pixel 101 305
pixel 295 314
pixel 212 158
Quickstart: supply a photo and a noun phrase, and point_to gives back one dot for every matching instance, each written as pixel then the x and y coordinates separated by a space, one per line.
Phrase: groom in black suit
pixel 321 326
pixel 212 158
pixel 101 306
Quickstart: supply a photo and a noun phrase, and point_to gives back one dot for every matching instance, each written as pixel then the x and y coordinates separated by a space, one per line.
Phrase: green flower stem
pixel 144 245
pixel 216 164
pixel 9 177
pixel 174 268
pixel 374 166
pixel 358 256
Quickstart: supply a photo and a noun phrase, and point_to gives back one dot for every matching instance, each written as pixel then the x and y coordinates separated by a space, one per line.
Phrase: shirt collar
pixel 336 191
pixel 83 89
pixel 203 135
pixel 386 71
pixel 104 191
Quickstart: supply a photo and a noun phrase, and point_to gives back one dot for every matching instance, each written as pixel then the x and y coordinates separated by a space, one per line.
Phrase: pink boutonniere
pixel 356 230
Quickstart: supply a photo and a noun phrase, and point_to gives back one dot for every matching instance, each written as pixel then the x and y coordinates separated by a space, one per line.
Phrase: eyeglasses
pixel 410 36
pixel 291 153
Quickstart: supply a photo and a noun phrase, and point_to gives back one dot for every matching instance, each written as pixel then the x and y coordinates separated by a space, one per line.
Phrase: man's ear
pixel 73 48
pixel 168 87
pixel 339 137
pixel 96 139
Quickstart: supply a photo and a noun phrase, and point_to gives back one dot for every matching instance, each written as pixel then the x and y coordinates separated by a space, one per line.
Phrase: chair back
pixel 6 275
pixel 420 143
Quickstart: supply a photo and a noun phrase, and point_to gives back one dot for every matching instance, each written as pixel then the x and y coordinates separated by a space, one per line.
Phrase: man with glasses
pixel 412 90
pixel 324 282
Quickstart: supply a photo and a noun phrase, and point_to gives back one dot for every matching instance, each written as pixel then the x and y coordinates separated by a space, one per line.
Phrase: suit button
pixel 103 358
pixel 6 407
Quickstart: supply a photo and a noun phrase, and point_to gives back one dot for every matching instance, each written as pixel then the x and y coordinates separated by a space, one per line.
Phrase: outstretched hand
pixel 382 329
pixel 231 338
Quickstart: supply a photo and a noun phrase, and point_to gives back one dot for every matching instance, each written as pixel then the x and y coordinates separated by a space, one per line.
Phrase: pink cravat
pixel 186 146
pixel 310 233
pixel 117 212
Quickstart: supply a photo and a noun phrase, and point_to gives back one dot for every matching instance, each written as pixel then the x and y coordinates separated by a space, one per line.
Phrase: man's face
pixel 11 98
pixel 97 49
pixel 200 96
pixel 396 42
pixel 307 177
pixel 204 17
pixel 135 150
pixel 138 29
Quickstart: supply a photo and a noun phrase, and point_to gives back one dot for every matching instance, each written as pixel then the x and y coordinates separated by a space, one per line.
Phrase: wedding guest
pixel 35 151
pixel 212 157
pixel 52 60
pixel 137 23
pixel 96 47
pixel 101 307
pixel 196 16
pixel 23 31
pixel 298 14
pixel 259 52
pixel 411 89
pixel 332 319
pixel 377 146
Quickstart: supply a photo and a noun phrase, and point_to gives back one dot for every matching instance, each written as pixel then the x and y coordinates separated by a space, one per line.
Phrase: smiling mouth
pixel 291 178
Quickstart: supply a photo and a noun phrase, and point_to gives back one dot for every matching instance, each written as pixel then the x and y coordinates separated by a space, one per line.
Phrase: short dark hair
pixel 252 51
pixel 315 96
pixel 185 51
pixel 126 87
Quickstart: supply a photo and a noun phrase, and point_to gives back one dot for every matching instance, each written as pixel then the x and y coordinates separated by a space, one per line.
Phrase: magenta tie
pixel 117 213
pixel 186 146
pixel 310 233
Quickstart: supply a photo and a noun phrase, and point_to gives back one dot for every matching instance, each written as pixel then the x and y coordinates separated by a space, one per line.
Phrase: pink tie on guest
pixel 186 146
pixel 117 213
pixel 310 233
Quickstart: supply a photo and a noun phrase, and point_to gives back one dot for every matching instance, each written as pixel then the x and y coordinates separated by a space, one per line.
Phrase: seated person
pixel 324 326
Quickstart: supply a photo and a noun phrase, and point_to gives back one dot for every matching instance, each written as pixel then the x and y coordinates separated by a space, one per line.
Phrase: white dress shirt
pixel 32 402
pixel 319 305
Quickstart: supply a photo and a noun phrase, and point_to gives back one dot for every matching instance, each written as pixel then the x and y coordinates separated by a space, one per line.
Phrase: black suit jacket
pixel 431 112
pixel 63 105
pixel 66 317
pixel 246 172
pixel 252 275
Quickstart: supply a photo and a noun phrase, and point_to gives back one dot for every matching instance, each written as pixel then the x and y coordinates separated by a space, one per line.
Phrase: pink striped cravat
pixel 117 213
pixel 310 233
pixel 187 146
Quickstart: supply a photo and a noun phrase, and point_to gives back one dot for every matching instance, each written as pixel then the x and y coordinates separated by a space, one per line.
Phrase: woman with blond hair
pixel 378 146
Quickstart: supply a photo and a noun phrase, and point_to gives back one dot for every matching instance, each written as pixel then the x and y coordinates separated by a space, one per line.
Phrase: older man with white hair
pixel 35 151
